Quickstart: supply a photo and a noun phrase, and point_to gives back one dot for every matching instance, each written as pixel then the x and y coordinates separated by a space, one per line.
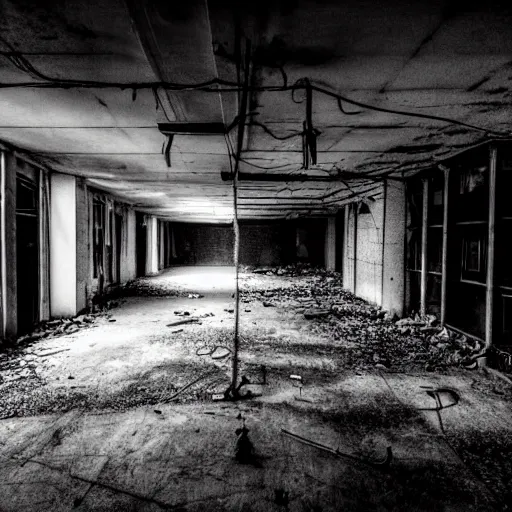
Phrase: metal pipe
pixel 444 260
pixel 424 228
pixel 3 264
pixel 489 297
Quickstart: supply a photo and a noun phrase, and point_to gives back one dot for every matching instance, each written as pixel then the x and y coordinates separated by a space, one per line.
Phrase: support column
pixel 152 246
pixel 424 228
pixel 444 260
pixel 489 299
pixel 63 246
pixel 393 254
pixel 330 244
pixel 8 246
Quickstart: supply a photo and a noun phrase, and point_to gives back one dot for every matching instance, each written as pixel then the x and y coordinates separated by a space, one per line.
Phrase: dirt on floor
pixel 318 361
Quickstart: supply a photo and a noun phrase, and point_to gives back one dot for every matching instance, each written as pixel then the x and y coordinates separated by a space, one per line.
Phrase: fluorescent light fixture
pixel 192 128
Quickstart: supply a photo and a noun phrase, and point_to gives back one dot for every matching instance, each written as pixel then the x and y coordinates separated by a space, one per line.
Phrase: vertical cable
pixel 424 241
pixel 236 227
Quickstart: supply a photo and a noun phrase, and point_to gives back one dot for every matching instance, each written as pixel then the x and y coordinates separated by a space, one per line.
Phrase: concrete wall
pixel 83 270
pixel 260 244
pixel 63 238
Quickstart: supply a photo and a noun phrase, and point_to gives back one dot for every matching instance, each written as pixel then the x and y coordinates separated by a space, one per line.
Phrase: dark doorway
pixel 141 241
pixel 27 255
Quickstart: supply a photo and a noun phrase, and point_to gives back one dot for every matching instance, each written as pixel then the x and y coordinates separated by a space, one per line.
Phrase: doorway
pixel 27 254
pixel 141 237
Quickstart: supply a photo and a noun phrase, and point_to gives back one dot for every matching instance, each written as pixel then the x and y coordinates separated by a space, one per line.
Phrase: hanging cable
pixel 340 106
pixel 19 60
pixel 271 133
pixel 339 98
pixel 236 227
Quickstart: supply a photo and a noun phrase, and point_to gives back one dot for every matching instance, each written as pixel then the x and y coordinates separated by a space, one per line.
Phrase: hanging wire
pixel 19 60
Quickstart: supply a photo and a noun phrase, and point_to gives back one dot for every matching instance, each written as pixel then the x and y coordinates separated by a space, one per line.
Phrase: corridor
pixel 124 414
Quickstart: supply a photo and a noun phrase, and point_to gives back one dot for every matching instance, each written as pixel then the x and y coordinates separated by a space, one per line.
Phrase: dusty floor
pixel 102 419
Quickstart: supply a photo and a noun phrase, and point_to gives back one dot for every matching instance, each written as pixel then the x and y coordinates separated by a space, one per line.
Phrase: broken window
pixel 472 199
pixel 474 254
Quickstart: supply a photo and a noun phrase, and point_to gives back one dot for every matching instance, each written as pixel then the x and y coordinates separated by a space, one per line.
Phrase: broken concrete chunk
pixel 316 313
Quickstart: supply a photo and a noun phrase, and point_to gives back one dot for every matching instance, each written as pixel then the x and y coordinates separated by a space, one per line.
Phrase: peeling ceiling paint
pixel 440 58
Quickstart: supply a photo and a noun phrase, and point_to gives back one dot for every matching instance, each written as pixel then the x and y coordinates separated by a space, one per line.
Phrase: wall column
pixel 152 246
pixel 129 249
pixel 9 274
pixel 424 228
pixel 63 238
pixel 330 244
pixel 393 282
pixel 444 261
pixel 489 302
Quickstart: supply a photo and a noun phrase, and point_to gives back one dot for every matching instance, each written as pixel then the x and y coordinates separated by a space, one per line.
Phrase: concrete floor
pixel 98 425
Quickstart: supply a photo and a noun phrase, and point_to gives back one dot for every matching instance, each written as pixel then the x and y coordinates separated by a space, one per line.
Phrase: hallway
pixel 121 415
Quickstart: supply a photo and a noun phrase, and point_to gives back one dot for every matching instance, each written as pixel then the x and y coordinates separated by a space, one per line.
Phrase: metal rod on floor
pixel 444 257
pixel 236 227
pixel 424 228
pixel 489 297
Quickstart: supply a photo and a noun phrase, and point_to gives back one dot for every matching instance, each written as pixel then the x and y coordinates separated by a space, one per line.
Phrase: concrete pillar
pixel 83 249
pixel 129 248
pixel 348 250
pixel 152 246
pixel 330 244
pixel 489 296
pixel 393 285
pixel 63 245
pixel 8 240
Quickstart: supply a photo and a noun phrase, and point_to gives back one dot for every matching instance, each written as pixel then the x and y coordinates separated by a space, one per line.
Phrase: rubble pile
pixel 367 335
pixel 146 287
pixel 66 326
pixel 300 269
pixel 59 327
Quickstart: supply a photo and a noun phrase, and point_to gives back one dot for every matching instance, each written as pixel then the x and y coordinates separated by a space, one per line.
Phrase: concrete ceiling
pixel 439 58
